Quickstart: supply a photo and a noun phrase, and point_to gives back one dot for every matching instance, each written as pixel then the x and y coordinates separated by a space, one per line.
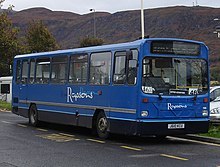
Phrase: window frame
pixel 18 72
pixel 26 72
pixel 127 65
pixel 52 63
pixel 114 67
pixel 74 62
pixel 36 65
pixel 29 73
pixel 110 70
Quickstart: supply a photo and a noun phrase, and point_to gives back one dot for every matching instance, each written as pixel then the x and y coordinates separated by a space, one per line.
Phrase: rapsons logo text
pixel 171 106
pixel 82 94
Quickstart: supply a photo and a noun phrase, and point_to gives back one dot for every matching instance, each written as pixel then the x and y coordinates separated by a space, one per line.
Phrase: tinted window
pixel 120 68
pixel 100 68
pixel 24 74
pixel 132 68
pixel 178 76
pixel 59 69
pixel 78 69
pixel 18 71
pixel 5 88
pixel 42 70
pixel 32 71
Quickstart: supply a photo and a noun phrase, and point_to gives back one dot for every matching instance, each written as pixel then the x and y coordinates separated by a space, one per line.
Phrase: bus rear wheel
pixel 33 116
pixel 102 126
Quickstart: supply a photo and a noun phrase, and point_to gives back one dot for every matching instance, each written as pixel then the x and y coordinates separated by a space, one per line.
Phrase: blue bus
pixel 154 86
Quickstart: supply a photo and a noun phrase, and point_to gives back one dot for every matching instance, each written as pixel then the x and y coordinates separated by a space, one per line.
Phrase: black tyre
pixel 33 116
pixel 102 126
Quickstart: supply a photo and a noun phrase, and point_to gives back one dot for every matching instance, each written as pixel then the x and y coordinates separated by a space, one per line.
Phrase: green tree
pixel 215 74
pixel 9 44
pixel 91 42
pixel 39 38
pixel 1 3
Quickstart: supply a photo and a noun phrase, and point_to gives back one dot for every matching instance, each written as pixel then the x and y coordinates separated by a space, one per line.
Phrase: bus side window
pixel 132 68
pixel 100 68
pixel 32 71
pixel 59 69
pixel 24 74
pixel 18 71
pixel 42 70
pixel 120 68
pixel 78 69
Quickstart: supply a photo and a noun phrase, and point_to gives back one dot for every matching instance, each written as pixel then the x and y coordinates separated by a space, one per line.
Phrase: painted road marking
pixel 6 122
pixel 23 126
pixel 174 157
pixel 131 148
pixel 58 137
pixel 43 130
pixel 194 141
pixel 65 134
pixel 97 141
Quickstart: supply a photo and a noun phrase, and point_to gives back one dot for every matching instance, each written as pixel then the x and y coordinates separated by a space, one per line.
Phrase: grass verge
pixel 5 106
pixel 214 131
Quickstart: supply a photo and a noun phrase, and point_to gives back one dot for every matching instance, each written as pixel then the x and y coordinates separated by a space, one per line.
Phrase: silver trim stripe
pixel 112 109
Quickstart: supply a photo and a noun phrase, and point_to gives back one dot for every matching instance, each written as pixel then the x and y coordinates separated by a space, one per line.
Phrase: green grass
pixel 214 131
pixel 5 106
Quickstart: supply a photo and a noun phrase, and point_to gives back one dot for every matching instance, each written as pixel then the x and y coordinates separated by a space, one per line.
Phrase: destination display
pixel 175 48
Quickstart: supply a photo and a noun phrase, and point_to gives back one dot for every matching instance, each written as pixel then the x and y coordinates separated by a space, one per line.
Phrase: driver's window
pixel 120 68
pixel 132 68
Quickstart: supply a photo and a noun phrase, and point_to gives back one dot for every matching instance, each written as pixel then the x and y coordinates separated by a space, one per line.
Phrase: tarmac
pixel 188 136
pixel 201 138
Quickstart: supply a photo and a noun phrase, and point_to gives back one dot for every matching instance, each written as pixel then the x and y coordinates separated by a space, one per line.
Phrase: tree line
pixel 38 38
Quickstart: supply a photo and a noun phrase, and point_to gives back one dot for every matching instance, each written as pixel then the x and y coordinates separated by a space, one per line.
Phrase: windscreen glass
pixel 174 76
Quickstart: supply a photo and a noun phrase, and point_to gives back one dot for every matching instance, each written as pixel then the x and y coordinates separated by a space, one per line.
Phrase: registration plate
pixel 176 126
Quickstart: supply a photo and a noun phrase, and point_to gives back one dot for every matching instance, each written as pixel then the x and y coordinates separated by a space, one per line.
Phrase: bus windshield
pixel 174 76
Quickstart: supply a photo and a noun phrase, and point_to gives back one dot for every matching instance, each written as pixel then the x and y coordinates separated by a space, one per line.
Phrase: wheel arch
pixel 31 104
pixel 95 115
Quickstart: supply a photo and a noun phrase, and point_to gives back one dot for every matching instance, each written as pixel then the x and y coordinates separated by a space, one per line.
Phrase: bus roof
pixel 104 47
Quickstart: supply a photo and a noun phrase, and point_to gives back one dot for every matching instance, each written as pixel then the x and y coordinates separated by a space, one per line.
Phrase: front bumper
pixel 158 128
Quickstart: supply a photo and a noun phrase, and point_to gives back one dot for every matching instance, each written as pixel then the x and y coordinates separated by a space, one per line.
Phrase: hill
pixel 179 22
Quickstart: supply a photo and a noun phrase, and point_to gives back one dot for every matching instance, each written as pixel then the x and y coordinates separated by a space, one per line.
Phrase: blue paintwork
pixel 113 96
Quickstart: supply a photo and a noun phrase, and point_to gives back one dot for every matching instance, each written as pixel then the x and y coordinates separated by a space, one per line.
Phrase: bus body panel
pixel 123 105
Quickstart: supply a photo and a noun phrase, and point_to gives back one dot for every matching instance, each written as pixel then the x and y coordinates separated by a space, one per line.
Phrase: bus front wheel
pixel 102 126
pixel 33 115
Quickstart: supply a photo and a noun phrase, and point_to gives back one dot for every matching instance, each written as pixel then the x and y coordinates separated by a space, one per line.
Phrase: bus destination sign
pixel 175 48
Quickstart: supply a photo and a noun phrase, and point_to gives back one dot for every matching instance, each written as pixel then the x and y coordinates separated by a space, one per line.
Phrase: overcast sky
pixel 112 6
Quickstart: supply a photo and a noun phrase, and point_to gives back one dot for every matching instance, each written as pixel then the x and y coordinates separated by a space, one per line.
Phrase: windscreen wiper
pixel 195 97
pixel 160 96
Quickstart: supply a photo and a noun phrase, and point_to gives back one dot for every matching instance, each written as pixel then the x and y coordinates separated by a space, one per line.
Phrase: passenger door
pixel 124 90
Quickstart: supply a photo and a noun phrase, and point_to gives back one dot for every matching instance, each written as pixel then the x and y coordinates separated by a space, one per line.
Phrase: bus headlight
pixel 205 113
pixel 144 113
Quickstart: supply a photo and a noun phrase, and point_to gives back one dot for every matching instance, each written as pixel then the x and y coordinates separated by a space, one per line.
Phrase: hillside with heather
pixel 195 23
